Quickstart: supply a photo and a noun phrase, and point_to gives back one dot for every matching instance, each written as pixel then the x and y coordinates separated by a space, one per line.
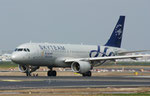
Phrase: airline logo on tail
pixel 118 31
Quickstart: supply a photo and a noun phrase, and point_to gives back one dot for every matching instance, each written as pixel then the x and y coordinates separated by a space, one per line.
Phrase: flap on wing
pixel 107 58
pixel 118 57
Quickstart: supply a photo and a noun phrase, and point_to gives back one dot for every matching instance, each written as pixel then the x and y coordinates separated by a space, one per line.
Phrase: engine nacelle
pixel 81 66
pixel 24 68
pixel 34 68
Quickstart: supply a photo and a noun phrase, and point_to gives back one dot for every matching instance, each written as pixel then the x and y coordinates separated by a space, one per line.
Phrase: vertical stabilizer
pixel 116 37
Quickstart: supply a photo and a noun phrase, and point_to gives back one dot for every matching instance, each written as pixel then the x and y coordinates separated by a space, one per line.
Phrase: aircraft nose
pixel 16 58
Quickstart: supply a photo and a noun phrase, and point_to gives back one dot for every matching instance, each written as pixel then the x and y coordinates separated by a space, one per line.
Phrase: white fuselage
pixel 47 54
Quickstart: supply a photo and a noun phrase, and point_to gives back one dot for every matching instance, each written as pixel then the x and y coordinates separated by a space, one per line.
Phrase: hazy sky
pixel 73 21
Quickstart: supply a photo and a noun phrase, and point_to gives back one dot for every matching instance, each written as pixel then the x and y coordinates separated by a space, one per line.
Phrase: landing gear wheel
pixel 28 74
pixel 51 73
pixel 87 74
pixel 54 73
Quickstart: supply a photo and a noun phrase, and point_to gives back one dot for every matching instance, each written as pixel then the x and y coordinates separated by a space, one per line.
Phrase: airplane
pixel 80 58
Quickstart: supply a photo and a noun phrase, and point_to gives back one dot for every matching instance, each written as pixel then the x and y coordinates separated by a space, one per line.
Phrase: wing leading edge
pixel 106 58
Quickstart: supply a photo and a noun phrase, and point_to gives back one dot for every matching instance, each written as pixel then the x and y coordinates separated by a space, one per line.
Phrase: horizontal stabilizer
pixel 127 52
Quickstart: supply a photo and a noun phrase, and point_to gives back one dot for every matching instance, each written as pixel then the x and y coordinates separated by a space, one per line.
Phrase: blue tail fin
pixel 116 37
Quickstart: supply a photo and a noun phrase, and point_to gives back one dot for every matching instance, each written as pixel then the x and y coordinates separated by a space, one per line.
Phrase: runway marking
pixel 77 73
pixel 88 80
pixel 138 76
pixel 12 80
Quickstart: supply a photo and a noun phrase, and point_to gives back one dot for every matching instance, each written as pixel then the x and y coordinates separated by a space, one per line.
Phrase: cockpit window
pixel 25 50
pixel 28 50
pixel 16 49
pixel 22 49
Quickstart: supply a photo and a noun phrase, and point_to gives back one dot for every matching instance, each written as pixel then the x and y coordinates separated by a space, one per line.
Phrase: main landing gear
pixel 87 74
pixel 51 72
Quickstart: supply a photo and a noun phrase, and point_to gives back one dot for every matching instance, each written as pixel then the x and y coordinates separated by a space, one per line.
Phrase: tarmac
pixel 40 82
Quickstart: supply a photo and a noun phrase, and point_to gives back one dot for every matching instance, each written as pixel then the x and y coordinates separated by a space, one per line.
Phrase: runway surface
pixel 22 82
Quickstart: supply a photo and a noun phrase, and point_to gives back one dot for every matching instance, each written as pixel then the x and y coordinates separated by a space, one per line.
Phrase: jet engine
pixel 25 68
pixel 81 66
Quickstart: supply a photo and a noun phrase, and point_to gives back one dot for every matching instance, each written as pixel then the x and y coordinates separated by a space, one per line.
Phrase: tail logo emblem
pixel 118 31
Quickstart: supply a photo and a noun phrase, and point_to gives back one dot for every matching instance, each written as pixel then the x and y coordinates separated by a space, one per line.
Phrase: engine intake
pixel 81 66
pixel 23 68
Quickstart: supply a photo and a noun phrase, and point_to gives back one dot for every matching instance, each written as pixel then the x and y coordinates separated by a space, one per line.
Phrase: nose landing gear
pixel 28 73
pixel 28 70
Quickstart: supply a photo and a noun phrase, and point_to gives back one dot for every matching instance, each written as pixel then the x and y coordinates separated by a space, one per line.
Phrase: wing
pixel 126 52
pixel 106 58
